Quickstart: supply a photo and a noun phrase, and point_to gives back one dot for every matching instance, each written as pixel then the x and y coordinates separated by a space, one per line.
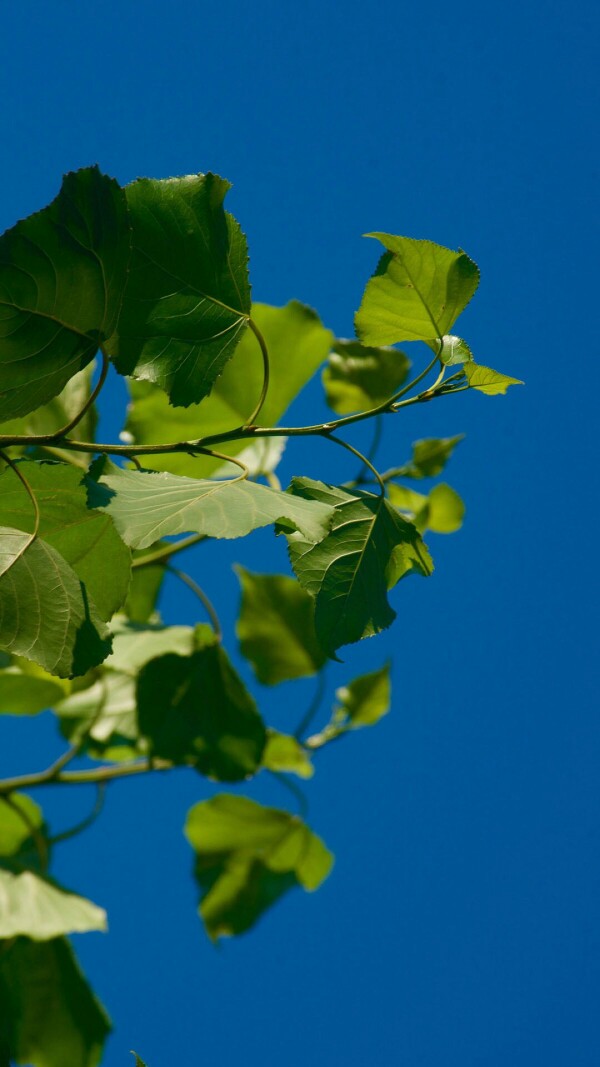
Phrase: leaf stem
pixel 202 597
pixel 32 497
pixel 298 794
pixel 265 385
pixel 90 400
pixel 313 707
pixel 366 462
pixel 164 554
pixel 84 777
pixel 79 827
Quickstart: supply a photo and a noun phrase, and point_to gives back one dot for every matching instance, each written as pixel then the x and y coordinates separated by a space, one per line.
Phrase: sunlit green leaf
pixel 417 292
pixel 33 907
pixel 454 350
pixel 45 613
pixel 15 829
pixel 445 510
pixel 195 710
pixel 430 456
pixel 297 344
pixel 135 644
pixel 358 378
pixel 276 628
pixel 62 271
pixel 145 587
pixel 247 857
pixel 147 506
pixel 87 540
pixel 49 1016
pixel 187 299
pixel 408 501
pixel 24 694
pixel 362 702
pixel 487 380
pixel 370 547
pixel 284 753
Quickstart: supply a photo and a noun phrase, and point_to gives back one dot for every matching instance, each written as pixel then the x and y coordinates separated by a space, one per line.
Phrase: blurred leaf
pixel 14 829
pixel 430 456
pixel 362 702
pixel 135 644
pixel 138 1061
pixel 408 501
pixel 81 537
pixel 297 342
pixel 358 378
pixel 62 271
pixel 49 1016
pixel 195 710
pixel 370 547
pixel 103 713
pixel 34 907
pixel 148 506
pixel 45 613
pixel 24 694
pixel 247 857
pixel 284 753
pixel 276 628
pixel 187 299
pixel 487 380
pixel 417 292
pixel 445 510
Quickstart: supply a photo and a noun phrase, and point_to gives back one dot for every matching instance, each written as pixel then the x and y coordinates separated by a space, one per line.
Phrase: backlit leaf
pixel 430 456
pixel 32 907
pixel 362 702
pixel 445 510
pixel 488 381
pixel 454 350
pixel 285 754
pixel 24 694
pixel 358 378
pixel 15 830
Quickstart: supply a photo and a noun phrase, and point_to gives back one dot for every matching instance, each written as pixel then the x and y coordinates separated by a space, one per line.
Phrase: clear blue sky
pixel 460 926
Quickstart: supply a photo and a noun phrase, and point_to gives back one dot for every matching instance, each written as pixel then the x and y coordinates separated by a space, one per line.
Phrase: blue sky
pixel 460 926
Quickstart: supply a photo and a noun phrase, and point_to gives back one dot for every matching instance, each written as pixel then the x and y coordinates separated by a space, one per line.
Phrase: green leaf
pixel 45 613
pixel 147 506
pixel 445 510
pixel 195 710
pixel 297 342
pixel 138 1061
pixel 247 857
pixel 285 754
pixel 454 350
pixel 487 380
pixel 430 456
pixel 187 299
pixel 414 505
pixel 26 694
pixel 49 1016
pixel 362 702
pixel 62 272
pixel 136 644
pixel 82 537
pixel 33 907
pixel 145 587
pixel 276 628
pixel 370 547
pixel 15 830
pixel 358 378
pixel 417 292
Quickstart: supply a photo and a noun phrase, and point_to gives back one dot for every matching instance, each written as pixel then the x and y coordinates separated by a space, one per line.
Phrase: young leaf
pixel 276 628
pixel 147 506
pixel 195 710
pixel 45 612
pixel 358 378
pixel 430 456
pixel 417 292
pixel 370 547
pixel 297 343
pixel 247 857
pixel 50 1017
pixel 487 380
pixel 33 907
pixel 285 754
pixel 362 702
pixel 87 540
pixel 187 299
pixel 62 272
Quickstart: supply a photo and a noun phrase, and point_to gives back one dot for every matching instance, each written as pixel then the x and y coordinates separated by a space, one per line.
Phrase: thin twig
pixel 84 823
pixel 265 386
pixel 313 707
pixel 36 510
pixel 90 400
pixel 41 845
pixel 202 597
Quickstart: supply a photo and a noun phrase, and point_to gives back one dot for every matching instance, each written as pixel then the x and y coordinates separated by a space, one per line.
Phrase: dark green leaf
pixel 276 628
pixel 49 1016
pixel 15 830
pixel 362 702
pixel 45 612
pixel 417 292
pixel 62 272
pixel 144 588
pixel 34 907
pixel 297 344
pixel 187 299
pixel 247 857
pixel 147 506
pixel 487 380
pixel 285 754
pixel 195 710
pixel 87 540
pixel 370 547
pixel 358 378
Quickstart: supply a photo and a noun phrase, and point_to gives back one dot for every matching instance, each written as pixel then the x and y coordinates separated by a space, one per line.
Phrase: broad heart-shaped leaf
pixel 49 1016
pixel 62 273
pixel 187 298
pixel 429 457
pixel 417 292
pixel 276 628
pixel 362 702
pixel 15 830
pixel 45 612
pixel 370 547
pixel 85 539
pixel 487 380
pixel 442 511
pixel 195 710
pixel 146 506
pixel 297 343
pixel 247 856
pixel 358 378
pixel 32 907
